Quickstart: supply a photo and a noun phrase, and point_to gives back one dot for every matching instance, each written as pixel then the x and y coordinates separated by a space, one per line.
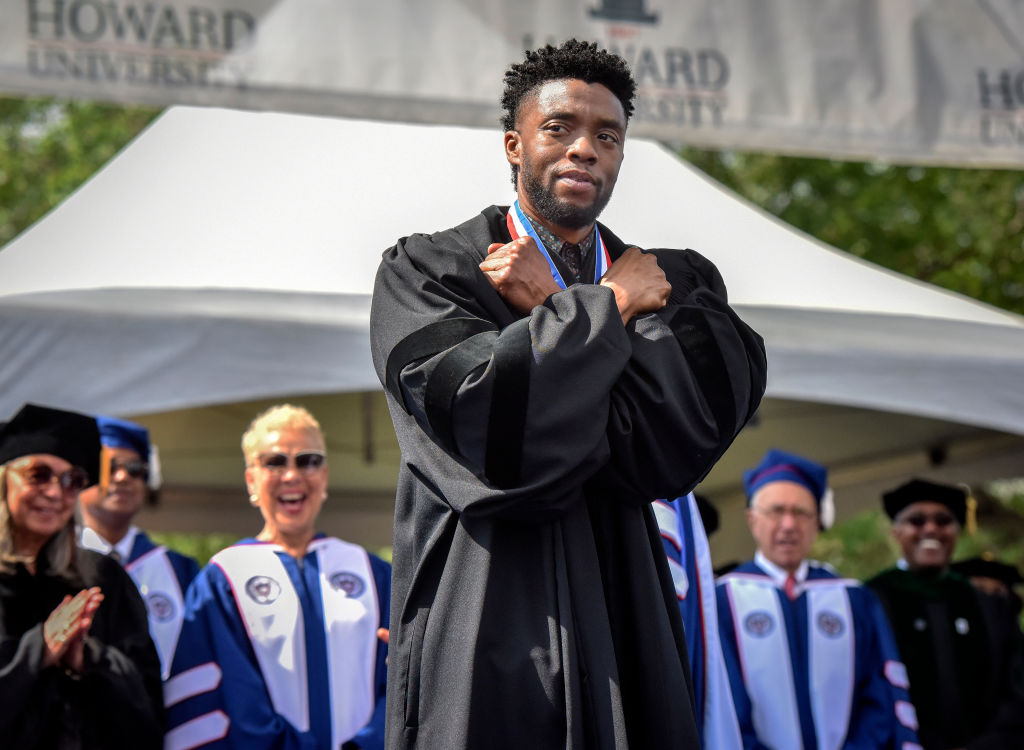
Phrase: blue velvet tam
pixel 777 466
pixel 120 433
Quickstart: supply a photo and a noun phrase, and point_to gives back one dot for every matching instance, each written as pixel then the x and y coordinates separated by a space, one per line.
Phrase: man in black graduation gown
pixel 532 605
pixel 961 647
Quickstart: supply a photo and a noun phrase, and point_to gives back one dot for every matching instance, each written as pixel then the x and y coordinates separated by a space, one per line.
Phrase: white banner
pixel 939 81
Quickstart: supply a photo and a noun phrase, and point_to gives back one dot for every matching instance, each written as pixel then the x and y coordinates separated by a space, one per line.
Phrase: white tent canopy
pixel 228 255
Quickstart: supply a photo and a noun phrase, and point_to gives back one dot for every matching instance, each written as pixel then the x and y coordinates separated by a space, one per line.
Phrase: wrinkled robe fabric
pixel 117 700
pixel 532 604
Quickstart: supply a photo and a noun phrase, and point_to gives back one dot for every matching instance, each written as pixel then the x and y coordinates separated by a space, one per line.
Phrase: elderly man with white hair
pixel 812 662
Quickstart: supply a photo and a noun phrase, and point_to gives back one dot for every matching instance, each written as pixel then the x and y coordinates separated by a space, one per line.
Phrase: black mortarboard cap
pixel 921 490
pixel 41 429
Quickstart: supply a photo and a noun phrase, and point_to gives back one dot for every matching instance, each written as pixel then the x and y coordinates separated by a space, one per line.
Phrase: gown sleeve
pixel 114 702
pixel 121 687
pixel 215 695
pixel 883 716
pixel 695 376
pixel 24 683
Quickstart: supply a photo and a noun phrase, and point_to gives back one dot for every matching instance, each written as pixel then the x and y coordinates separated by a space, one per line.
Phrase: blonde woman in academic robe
pixel 279 644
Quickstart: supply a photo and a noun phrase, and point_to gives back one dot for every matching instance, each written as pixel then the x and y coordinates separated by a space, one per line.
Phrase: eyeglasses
pixel 307 461
pixel 778 512
pixel 135 469
pixel 920 520
pixel 72 480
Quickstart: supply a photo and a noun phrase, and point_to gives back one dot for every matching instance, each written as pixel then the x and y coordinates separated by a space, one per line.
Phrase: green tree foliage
pixel 49 147
pixel 962 229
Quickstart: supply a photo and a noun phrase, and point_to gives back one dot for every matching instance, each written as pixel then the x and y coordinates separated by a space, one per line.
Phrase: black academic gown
pixel 531 604
pixel 117 701
pixel 962 649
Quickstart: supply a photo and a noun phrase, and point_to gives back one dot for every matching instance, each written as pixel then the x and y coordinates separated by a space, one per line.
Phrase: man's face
pixel 926 533
pixel 783 519
pixel 568 146
pixel 126 491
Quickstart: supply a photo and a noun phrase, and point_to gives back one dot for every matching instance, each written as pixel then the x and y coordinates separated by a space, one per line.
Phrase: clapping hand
pixel 65 629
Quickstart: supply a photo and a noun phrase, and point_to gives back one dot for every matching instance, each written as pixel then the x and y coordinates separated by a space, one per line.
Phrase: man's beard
pixel 559 212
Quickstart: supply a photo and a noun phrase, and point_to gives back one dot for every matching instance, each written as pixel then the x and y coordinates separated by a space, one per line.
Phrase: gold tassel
pixel 972 515
pixel 106 456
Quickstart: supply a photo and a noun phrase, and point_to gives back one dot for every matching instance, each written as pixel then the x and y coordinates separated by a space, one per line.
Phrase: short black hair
pixel 573 59
pixel 584 61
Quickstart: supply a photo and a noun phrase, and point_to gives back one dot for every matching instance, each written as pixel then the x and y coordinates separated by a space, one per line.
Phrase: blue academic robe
pixel 185 567
pixel 826 677
pixel 162 576
pixel 227 699
pixel 689 557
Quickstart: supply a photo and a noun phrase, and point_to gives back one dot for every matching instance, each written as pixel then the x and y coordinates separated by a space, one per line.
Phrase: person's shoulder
pixel 687 271
pixel 91 563
pixel 101 570
pixel 744 572
pixel 888 578
pixel 343 544
pixel 185 566
pixel 182 558
pixel 473 234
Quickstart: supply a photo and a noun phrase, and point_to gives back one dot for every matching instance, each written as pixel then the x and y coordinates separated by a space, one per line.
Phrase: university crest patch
pixel 830 624
pixel 759 624
pixel 262 589
pixel 348 582
pixel 160 607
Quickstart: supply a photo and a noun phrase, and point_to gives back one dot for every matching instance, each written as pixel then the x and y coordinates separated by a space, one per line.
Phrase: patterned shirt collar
pixel 554 243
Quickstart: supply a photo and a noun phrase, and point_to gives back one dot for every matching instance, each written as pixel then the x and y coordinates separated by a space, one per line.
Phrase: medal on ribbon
pixel 519 225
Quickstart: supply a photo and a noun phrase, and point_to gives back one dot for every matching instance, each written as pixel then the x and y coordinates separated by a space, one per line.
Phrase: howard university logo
pixel 830 624
pixel 348 582
pixel 759 624
pixel 262 589
pixel 160 607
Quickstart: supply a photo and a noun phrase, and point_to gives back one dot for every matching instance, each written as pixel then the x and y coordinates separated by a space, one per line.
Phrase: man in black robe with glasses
pixel 547 381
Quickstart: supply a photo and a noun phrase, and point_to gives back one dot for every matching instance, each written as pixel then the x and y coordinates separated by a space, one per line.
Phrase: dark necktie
pixel 573 257
pixel 115 555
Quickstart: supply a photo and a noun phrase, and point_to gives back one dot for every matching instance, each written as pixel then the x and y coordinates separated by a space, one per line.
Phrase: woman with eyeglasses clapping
pixel 77 666
pixel 279 645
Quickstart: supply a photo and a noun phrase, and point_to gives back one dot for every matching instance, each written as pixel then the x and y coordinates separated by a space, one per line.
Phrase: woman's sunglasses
pixel 71 480
pixel 306 461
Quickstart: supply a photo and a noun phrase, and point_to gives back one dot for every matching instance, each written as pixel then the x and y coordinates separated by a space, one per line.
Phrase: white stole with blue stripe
pixel 764 651
pixel 273 618
pixel 165 603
